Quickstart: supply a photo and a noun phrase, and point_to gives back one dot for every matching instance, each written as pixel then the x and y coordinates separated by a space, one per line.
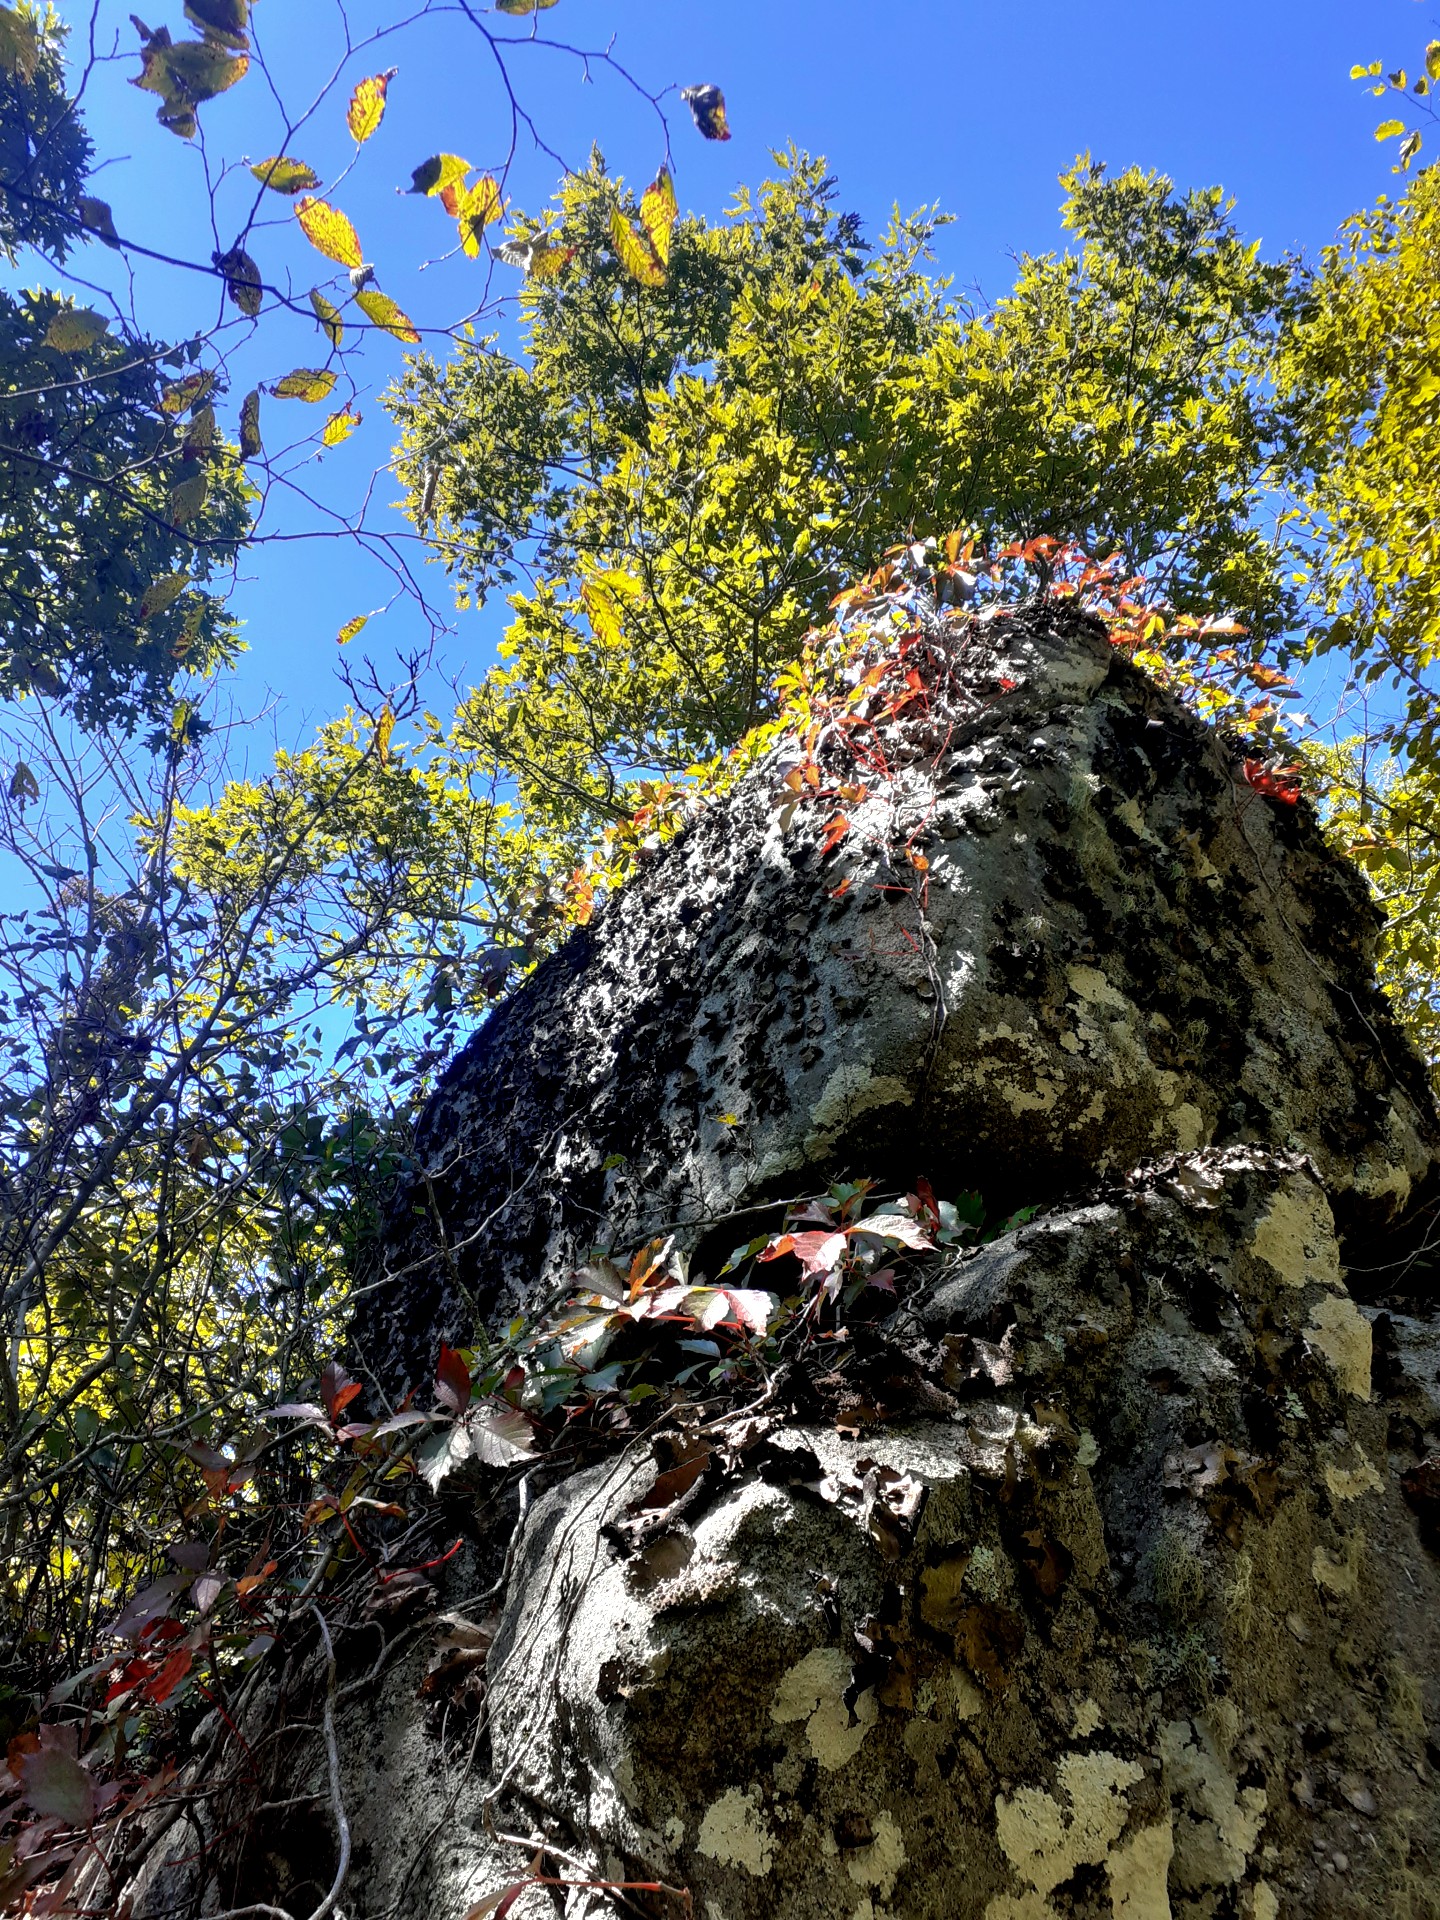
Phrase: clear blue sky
pixel 977 106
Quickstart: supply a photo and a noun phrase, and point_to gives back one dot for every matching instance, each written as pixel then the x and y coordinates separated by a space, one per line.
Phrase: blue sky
pixel 976 106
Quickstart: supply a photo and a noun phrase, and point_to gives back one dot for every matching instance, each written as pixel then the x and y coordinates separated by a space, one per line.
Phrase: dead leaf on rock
pixel 893 1503
pixel 1047 1562
pixel 664 1558
pixel 989 1639
pixel 942 1594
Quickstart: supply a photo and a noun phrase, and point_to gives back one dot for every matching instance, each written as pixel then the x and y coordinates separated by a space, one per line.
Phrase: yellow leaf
pixel 328 316
pixel 19 44
pixel 601 595
pixel 188 498
pixel 250 425
pixel 367 105
pixel 283 175
pixel 382 311
pixel 178 395
pixel 437 174
pixel 200 434
pixel 339 427
pixel 351 627
pixel 329 232
pixel 523 6
pixel 96 218
pixel 634 253
pixel 475 208
pixel 74 329
pixel 658 214
pixel 305 383
pixel 1432 60
pixel 384 727
pixel 160 593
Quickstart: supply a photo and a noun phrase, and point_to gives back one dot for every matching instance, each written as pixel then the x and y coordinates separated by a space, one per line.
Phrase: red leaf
pixel 1276 783
pixel 53 1783
pixel 835 831
pixel 453 1384
pixel 337 1390
pixel 170 1675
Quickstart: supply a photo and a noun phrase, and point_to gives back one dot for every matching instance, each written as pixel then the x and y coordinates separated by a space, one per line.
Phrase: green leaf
pixel 23 785
pixel 305 383
pixel 223 21
pixel 283 175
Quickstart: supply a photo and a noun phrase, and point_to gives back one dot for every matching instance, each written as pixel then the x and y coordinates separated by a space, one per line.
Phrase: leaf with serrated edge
pixel 177 395
pixel 381 311
pixel 328 316
pixel 475 208
pixel 367 105
pixel 658 214
pixel 339 427
pixel 188 498
pixel 439 172
pixel 634 253
pixel 329 231
pixel 74 329
pixel 160 593
pixel 305 383
pixel 284 175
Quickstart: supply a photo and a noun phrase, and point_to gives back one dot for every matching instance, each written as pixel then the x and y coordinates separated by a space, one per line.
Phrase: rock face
pixel 1144 1628
pixel 1107 1588
pixel 1061 933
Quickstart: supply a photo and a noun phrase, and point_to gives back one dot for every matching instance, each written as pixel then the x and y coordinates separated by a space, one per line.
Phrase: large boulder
pixel 1061 931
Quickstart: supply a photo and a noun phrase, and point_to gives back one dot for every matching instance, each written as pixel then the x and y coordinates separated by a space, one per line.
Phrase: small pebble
pixel 1342 1863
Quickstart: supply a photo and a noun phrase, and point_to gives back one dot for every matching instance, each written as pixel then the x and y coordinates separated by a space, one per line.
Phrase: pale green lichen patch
pixel 1296 1236
pixel 1219 1823
pixel 1139 1873
pixel 1348 1483
pixel 879 1864
pixel 813 1691
pixel 1342 1333
pixel 1045 1839
pixel 735 1833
